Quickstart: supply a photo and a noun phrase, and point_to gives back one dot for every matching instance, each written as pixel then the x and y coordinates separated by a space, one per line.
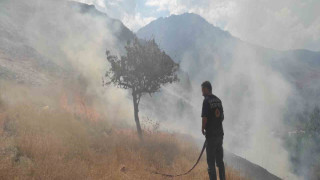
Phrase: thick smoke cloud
pixel 254 94
pixel 61 37
pixel 254 98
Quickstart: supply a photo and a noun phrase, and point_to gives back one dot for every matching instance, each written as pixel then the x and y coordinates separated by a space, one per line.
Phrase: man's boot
pixel 222 174
pixel 212 174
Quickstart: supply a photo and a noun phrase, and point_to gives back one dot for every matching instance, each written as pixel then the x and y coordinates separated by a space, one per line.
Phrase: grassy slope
pixel 41 142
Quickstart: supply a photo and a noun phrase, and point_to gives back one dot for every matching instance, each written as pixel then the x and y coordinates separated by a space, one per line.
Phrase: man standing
pixel 212 117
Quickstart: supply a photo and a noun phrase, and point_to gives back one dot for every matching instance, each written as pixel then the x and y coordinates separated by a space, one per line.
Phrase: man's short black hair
pixel 207 85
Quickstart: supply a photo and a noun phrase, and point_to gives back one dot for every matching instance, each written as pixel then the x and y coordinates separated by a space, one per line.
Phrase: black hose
pixel 175 175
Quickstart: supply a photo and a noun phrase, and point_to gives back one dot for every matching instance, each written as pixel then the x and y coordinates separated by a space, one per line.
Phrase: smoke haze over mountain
pixel 50 43
pixel 283 25
pixel 50 40
pixel 258 86
pixel 254 95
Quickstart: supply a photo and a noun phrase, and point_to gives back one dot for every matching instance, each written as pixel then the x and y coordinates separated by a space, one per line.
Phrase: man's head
pixel 206 88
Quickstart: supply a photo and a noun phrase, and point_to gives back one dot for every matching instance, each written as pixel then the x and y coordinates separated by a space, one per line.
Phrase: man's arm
pixel 222 116
pixel 204 115
pixel 204 123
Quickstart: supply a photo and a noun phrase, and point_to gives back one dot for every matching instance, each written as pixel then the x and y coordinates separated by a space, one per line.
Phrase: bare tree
pixel 143 70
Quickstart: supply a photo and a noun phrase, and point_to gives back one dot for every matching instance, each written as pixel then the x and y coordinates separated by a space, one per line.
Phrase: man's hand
pixel 203 131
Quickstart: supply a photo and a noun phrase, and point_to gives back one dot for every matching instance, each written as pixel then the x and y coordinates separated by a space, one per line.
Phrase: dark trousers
pixel 215 155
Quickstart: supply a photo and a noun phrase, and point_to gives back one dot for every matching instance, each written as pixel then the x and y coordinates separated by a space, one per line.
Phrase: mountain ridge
pixel 206 23
pixel 194 35
pixel 125 33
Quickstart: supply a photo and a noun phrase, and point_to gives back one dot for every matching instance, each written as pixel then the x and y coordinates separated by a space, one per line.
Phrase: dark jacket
pixel 213 110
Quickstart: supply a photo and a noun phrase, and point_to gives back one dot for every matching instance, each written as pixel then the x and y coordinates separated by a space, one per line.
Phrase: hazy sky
pixel 279 24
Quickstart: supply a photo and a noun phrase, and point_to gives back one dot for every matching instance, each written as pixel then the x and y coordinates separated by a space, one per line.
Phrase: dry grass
pixel 42 143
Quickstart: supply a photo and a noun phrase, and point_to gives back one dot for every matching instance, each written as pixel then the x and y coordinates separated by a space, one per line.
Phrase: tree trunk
pixel 136 114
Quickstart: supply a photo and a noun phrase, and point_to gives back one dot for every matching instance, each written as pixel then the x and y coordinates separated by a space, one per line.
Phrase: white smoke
pixel 254 97
pixel 74 41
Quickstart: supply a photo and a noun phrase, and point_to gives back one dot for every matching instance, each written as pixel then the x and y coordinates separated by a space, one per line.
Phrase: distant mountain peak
pixel 190 16
pixel 186 21
pixel 177 34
